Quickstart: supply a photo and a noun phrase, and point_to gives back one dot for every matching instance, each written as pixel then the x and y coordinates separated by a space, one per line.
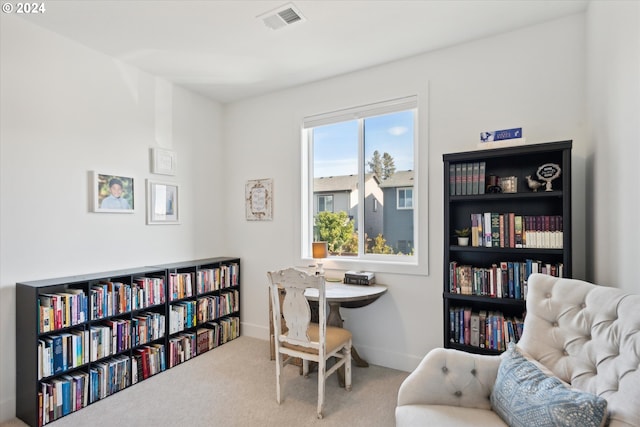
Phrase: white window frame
pixel 325 196
pixel 404 189
pixel 416 264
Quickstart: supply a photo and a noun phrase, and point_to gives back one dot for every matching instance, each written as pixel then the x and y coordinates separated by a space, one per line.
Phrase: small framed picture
pixel 162 203
pixel 509 184
pixel 163 161
pixel 112 193
pixel 259 200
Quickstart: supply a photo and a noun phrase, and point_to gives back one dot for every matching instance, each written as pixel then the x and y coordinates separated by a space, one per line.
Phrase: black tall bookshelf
pixel 32 379
pixel 480 296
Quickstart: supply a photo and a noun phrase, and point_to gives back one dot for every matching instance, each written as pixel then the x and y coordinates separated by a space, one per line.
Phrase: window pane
pixel 388 165
pixel 335 172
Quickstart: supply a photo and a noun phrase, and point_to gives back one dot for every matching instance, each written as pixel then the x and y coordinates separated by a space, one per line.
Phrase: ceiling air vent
pixel 281 17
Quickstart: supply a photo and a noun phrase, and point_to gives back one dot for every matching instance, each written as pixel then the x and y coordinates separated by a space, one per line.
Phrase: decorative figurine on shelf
pixel 492 184
pixel 533 184
pixel 548 172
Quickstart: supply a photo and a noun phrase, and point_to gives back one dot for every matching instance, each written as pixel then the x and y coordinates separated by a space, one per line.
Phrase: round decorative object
pixel 547 173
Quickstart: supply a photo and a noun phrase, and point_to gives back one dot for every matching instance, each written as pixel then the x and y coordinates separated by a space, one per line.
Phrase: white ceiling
pixel 222 50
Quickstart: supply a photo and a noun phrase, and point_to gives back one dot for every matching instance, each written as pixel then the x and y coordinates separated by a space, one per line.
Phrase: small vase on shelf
pixel 463 236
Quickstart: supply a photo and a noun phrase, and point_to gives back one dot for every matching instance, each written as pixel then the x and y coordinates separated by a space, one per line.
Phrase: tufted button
pixel 554 324
pixel 583 305
pixel 548 295
pixel 445 369
pixel 473 372
pixel 565 353
pixel 458 393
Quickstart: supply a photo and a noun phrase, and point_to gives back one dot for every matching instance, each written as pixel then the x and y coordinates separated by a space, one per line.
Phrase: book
pixel 482 328
pixel 475 188
pixel 452 179
pixel 463 179
pixel 482 177
pixel 474 327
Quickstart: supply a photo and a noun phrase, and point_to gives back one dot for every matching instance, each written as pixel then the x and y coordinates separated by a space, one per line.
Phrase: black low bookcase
pixel 29 333
pixel 482 261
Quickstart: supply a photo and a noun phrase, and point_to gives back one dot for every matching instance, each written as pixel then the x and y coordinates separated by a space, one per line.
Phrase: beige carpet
pixel 234 385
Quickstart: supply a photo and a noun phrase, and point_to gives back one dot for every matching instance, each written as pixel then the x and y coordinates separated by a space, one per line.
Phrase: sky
pixel 336 145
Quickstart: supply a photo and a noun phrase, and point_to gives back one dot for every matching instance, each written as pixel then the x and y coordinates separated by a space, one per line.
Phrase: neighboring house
pixel 398 211
pixel 340 193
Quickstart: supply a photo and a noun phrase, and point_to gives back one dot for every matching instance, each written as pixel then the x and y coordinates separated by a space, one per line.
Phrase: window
pixel 364 158
pixel 325 203
pixel 405 198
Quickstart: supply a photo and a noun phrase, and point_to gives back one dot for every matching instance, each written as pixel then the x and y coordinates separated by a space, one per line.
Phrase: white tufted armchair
pixel 586 335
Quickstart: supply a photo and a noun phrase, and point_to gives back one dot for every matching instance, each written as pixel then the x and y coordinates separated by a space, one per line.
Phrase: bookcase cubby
pixel 513 234
pixel 80 339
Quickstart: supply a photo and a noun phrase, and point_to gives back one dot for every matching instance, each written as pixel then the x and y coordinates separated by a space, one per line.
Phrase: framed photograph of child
pixel 162 203
pixel 112 193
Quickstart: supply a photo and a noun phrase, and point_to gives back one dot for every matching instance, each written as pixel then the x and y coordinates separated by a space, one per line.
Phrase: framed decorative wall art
pixel 112 193
pixel 162 203
pixel 259 199
pixel 163 161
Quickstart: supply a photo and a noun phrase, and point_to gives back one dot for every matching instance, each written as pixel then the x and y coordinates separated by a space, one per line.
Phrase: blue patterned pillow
pixel 524 396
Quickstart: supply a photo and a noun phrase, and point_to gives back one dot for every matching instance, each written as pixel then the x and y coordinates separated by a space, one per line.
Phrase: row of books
pixel 213 279
pixel 111 337
pixel 66 351
pixel 61 396
pixel 189 313
pixel 109 376
pixel 62 309
pixel 147 361
pixel 483 329
pixel 229 329
pixel 467 178
pixel 508 279
pixel 508 230
pixel 62 352
pixel 182 347
pixel 109 299
pixel 147 327
pixel 209 335
pixel 147 292
pixel 182 316
pixel 212 307
pixel 72 307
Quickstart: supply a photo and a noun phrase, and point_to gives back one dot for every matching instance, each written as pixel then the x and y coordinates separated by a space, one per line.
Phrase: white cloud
pixel 398 130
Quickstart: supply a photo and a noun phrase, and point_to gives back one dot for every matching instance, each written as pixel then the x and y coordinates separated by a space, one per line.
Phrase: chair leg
pixel 322 368
pixel 347 368
pixel 278 375
pixel 305 368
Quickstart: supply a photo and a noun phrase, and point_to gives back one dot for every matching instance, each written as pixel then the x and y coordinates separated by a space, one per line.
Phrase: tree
pixel 384 167
pixel 375 165
pixel 335 228
pixel 388 166
pixel 380 246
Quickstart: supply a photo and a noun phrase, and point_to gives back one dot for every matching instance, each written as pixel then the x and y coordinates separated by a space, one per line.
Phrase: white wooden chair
pixel 299 337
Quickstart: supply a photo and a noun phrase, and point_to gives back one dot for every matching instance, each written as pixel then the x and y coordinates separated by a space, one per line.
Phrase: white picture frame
pixel 259 199
pixel 163 162
pixel 162 203
pixel 112 193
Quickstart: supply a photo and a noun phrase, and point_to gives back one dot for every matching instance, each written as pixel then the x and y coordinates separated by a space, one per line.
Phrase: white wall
pixel 614 118
pixel 532 78
pixel 67 110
